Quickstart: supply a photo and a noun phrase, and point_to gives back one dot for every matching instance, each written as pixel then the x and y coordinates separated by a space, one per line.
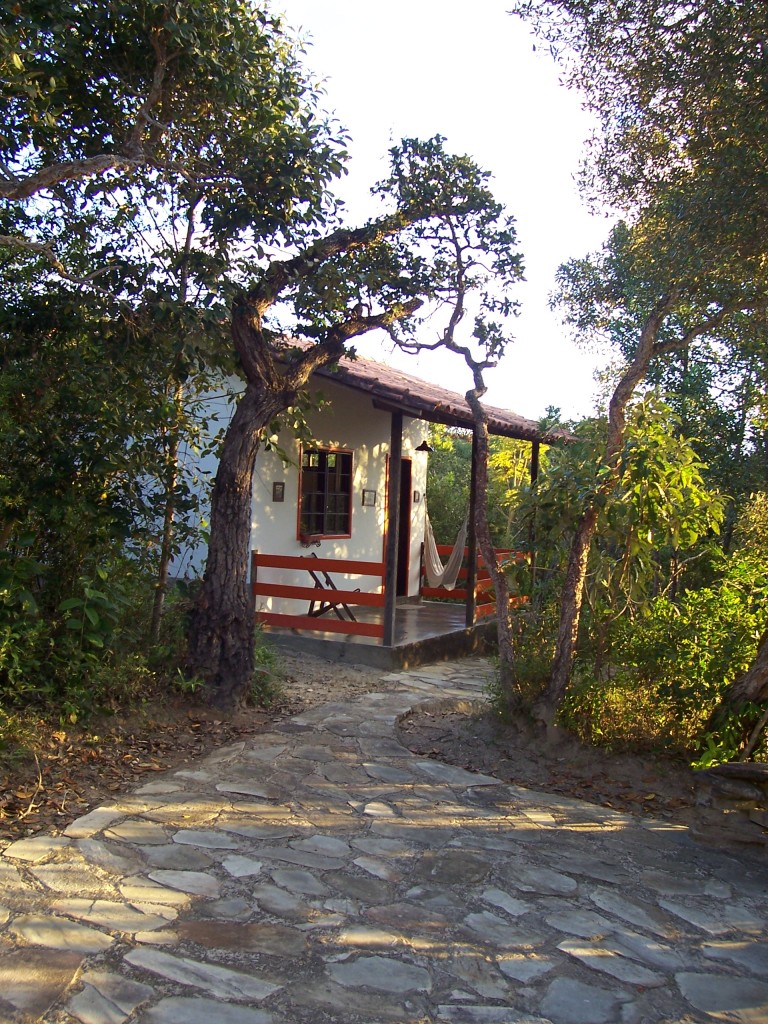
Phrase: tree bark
pixel 571 602
pixel 752 686
pixel 483 536
pixel 222 635
pixel 500 582
pixel 221 649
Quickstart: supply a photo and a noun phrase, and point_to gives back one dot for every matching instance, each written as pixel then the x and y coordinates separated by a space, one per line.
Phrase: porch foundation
pixel 424 633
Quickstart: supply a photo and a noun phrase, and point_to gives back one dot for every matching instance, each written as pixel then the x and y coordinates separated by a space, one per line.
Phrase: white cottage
pixel 338 530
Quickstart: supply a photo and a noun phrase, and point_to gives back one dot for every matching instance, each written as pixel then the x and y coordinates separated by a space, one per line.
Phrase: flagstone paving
pixel 323 873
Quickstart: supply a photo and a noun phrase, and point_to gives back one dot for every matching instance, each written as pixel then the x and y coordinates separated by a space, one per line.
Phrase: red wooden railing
pixel 485 599
pixel 333 596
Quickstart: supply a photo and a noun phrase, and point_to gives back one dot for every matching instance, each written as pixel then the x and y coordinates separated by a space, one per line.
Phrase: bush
pixel 91 652
pixel 669 668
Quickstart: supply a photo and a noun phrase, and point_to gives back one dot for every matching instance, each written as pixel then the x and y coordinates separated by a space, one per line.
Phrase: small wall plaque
pixel 278 491
pixel 369 498
pixel 416 497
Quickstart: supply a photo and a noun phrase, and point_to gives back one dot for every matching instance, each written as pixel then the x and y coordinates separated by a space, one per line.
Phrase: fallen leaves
pixel 73 770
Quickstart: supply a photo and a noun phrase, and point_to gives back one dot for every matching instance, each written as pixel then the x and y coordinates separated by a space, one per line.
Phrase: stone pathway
pixel 323 873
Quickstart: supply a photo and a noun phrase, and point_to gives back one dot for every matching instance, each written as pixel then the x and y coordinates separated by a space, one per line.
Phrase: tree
pixel 687 311
pixel 444 241
pixel 682 150
pixel 676 91
pixel 149 152
pixel 136 88
pixel 196 125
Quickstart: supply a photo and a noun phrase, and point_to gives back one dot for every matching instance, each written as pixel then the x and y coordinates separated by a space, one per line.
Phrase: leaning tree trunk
pixel 485 543
pixel 221 650
pixel 751 687
pixel 576 573
pixel 222 640
pixel 483 532
pixel 570 615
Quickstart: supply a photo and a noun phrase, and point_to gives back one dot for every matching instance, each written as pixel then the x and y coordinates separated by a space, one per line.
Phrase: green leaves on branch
pixel 659 508
pixel 443 239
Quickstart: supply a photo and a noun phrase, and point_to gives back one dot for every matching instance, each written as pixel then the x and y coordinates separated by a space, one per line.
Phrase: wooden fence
pixel 323 596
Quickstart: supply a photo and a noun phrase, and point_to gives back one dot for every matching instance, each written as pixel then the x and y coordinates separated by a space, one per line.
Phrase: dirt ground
pixel 515 753
pixel 75 770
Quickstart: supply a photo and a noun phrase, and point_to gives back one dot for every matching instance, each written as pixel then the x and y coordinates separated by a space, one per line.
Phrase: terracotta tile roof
pixel 397 391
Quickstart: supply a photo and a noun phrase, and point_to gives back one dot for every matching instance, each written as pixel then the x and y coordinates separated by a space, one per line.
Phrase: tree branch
pixel 281 273
pixel 45 249
pixel 705 326
pixel 18 188
pixel 332 346
pixel 135 145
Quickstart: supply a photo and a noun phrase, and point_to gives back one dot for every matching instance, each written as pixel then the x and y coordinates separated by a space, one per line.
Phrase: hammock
pixel 439 575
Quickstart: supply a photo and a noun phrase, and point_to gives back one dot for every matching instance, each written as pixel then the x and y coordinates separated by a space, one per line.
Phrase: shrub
pixel 669 668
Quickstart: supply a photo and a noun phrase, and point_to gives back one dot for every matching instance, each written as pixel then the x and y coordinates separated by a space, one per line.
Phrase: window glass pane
pixel 326 479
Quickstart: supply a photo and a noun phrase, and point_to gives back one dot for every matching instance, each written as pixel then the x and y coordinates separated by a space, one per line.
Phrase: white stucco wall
pixel 215 409
pixel 348 421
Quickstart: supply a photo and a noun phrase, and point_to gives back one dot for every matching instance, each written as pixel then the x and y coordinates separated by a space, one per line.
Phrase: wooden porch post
pixel 535 446
pixel 472 540
pixel 393 523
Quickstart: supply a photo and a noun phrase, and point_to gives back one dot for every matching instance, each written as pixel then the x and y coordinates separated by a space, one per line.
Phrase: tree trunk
pixel 500 584
pixel 752 686
pixel 481 449
pixel 222 635
pixel 570 615
pixel 222 641
pixel 576 573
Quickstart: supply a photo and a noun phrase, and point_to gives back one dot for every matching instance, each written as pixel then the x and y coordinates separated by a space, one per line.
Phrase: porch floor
pixel 425 632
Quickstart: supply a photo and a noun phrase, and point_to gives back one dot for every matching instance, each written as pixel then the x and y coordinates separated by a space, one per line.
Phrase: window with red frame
pixel 326 493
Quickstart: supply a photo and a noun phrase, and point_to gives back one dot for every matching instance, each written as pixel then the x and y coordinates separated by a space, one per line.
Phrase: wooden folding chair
pixel 324 582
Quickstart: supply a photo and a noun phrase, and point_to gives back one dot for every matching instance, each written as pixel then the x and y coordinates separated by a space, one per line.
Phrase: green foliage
pixel 670 667
pixel 114 294
pixel 449 471
pixel 676 89
pixel 208 94
pixel 728 742
pixel 658 639
pixel 681 151
pixel 92 651
pixel 448 474
pixel 266 690
pixel 659 508
pixel 751 532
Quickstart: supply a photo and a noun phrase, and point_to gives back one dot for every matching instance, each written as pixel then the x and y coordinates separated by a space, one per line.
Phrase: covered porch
pixel 341 623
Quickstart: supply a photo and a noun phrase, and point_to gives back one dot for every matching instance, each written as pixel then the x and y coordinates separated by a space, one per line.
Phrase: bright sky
pixel 422 67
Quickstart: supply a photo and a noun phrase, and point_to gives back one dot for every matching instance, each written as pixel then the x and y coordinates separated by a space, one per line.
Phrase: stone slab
pixel 32 980
pixel 186 1010
pixel 219 982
